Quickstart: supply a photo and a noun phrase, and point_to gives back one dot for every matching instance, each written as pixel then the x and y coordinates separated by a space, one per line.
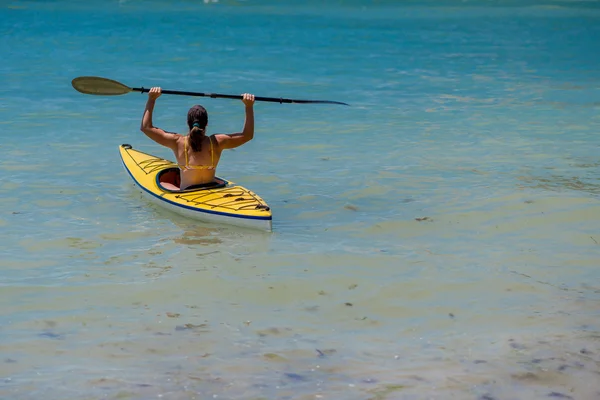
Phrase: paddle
pixel 102 86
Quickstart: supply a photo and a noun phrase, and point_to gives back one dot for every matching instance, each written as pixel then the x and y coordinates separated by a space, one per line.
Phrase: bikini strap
pixel 185 151
pixel 212 162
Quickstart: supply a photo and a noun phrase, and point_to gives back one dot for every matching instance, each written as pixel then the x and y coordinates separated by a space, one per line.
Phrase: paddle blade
pixel 99 86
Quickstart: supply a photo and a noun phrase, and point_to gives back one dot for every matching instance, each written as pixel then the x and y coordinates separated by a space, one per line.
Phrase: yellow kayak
pixel 223 202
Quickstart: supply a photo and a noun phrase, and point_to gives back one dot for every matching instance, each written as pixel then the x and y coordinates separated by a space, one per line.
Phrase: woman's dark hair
pixel 197 120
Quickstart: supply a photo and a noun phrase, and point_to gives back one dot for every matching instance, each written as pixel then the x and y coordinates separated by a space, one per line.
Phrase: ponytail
pixel 197 120
pixel 196 136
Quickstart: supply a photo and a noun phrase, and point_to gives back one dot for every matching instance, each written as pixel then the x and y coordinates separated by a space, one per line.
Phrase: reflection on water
pixel 198 236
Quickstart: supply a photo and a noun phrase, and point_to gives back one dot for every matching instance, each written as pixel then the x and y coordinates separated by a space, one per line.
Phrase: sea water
pixel 438 238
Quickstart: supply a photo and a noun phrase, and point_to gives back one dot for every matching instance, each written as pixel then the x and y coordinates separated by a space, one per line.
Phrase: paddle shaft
pixel 238 97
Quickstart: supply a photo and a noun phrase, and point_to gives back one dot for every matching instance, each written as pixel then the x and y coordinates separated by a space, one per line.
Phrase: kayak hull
pixel 226 203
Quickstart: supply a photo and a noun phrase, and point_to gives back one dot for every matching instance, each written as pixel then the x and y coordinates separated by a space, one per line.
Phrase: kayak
pixel 222 202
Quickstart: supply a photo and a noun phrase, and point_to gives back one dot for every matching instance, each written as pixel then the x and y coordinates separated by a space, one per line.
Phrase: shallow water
pixel 437 239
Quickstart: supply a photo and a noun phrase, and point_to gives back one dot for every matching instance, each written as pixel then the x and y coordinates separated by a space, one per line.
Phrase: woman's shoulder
pixel 176 136
pixel 215 141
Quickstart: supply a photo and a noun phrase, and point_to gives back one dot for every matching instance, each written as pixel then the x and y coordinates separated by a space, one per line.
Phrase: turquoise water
pixel 437 239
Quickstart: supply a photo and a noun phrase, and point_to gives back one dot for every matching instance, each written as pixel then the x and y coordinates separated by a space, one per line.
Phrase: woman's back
pixel 197 167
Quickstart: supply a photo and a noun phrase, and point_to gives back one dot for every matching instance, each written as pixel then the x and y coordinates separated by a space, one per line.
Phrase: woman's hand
pixel 154 93
pixel 248 99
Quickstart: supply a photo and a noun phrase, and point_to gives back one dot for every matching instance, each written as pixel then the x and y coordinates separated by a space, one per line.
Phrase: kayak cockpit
pixel 169 180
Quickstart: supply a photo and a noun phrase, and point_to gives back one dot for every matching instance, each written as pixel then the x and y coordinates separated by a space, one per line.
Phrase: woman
pixel 196 153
